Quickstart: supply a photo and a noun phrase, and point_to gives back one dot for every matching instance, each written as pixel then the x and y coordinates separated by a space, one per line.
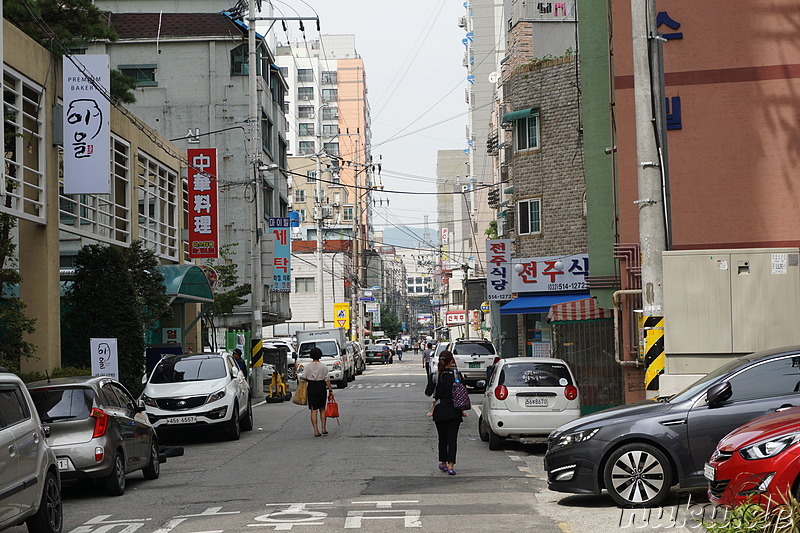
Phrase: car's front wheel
pixel 247 421
pixel 233 431
pixel 638 475
pixel 49 516
pixel 115 481
pixel 342 383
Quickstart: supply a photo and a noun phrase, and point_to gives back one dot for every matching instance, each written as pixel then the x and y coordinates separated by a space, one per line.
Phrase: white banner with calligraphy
pixel 87 125
pixel 498 269
pixel 545 274
pixel 203 205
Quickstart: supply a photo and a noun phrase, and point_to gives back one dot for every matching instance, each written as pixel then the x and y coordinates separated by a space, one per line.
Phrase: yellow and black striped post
pixel 653 351
pixel 256 353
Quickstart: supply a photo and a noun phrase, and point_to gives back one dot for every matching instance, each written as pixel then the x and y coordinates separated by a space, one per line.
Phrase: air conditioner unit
pixel 327 211
pixel 462 22
pixel 336 204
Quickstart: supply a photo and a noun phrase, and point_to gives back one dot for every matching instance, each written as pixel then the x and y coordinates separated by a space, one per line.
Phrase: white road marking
pixel 515 457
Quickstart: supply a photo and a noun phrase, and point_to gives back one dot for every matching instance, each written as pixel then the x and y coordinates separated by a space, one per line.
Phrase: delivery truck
pixel 332 342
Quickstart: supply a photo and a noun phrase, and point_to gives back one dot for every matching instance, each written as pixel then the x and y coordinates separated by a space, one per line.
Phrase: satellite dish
pixel 493 77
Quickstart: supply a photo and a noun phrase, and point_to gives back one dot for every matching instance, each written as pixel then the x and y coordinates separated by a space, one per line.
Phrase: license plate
pixel 63 464
pixel 474 365
pixel 181 420
pixel 708 472
pixel 536 401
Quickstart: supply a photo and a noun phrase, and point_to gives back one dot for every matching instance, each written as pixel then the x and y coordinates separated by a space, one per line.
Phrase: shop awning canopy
pixel 586 309
pixel 539 303
pixel 186 284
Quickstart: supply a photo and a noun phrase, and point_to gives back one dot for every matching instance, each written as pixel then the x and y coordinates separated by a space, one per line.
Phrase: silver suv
pixel 473 357
pixel 30 483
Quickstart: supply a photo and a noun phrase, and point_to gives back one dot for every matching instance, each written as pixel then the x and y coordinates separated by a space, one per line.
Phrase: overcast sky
pixel 412 53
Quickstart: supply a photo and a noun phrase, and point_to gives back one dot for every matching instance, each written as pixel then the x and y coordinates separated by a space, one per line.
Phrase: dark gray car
pixel 97 430
pixel 637 452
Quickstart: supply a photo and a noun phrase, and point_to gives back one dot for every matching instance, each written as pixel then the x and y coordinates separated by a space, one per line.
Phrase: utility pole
pixel 318 216
pixel 465 268
pixel 652 234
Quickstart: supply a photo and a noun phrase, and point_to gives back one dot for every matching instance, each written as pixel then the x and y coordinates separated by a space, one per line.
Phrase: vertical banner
pixel 282 260
pixel 341 315
pixel 498 275
pixel 103 353
pixel 203 205
pixel 87 125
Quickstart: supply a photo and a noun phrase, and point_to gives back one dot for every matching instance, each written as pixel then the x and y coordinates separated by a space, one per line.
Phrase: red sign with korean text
pixel 203 204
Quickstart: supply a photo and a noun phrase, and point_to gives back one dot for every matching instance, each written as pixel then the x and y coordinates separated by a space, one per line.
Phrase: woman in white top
pixel 316 374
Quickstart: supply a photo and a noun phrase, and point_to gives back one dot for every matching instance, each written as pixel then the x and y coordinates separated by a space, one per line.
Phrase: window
pixel 240 65
pixel 302 213
pixel 331 148
pixel 157 191
pixel 330 95
pixel 769 379
pixel 305 74
pixel 305 148
pixel 284 72
pixel 347 213
pixel 529 216
pixel 329 77
pixel 329 130
pixel 330 113
pixel 305 111
pixel 266 134
pixel 305 93
pixel 145 75
pixel 311 176
pixel 13 407
pixel 63 403
pixel 299 195
pixel 306 128
pixel 527 132
pixel 304 285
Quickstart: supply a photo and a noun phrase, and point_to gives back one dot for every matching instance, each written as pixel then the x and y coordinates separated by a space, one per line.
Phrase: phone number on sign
pixel 566 286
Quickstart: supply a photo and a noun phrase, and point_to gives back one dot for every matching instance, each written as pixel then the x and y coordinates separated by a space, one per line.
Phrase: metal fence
pixel 588 347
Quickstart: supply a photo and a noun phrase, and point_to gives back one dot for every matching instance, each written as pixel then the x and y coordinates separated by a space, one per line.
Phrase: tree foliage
pixel 67 24
pixel 227 294
pixel 115 294
pixel 390 323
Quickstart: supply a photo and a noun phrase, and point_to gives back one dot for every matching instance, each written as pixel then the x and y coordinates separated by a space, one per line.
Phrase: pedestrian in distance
pixel 386 353
pixel 427 353
pixel 445 415
pixel 415 347
pixel 399 350
pixel 237 356
pixel 316 374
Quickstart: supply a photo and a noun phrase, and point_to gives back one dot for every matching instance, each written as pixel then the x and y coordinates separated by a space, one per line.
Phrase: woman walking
pixel 316 374
pixel 446 417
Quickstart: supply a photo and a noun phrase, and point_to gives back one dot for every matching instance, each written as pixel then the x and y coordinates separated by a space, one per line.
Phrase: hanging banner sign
pixel 556 273
pixel 203 212
pixel 105 361
pixel 87 125
pixel 282 260
pixel 455 318
pixel 341 315
pixel 498 274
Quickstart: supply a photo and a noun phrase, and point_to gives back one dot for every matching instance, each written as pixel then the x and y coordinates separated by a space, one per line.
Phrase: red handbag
pixel 332 409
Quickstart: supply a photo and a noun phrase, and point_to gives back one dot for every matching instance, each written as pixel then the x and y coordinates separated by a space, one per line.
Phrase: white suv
pixel 473 357
pixel 199 390
pixel 30 483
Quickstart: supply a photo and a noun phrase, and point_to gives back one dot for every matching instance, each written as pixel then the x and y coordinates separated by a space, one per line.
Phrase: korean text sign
pixel 87 125
pixel 104 357
pixel 203 210
pixel 498 269
pixel 282 261
pixel 544 274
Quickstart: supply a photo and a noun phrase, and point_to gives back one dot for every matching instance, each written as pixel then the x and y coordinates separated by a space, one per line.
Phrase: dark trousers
pixel 448 435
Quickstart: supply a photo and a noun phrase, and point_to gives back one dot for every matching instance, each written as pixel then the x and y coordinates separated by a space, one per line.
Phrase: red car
pixel 758 462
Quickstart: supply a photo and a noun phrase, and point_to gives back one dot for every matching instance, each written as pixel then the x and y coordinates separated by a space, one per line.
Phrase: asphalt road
pixel 376 471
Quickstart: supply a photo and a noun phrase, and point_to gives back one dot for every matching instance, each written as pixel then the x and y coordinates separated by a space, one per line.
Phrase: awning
pixel 186 284
pixel 586 309
pixel 540 303
pixel 516 115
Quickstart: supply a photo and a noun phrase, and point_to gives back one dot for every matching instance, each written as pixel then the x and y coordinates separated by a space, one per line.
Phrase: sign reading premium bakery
pixel 203 204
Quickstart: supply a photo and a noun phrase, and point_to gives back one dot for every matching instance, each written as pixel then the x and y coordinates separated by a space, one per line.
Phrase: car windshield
pixel 469 348
pixel 700 384
pixel 60 404
pixel 535 375
pixel 180 369
pixel 329 349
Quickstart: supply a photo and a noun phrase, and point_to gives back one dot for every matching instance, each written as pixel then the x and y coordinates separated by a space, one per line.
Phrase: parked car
pixel 758 462
pixel 527 397
pixel 473 357
pixel 359 358
pixel 291 355
pixel 30 483
pixel 97 430
pixel 374 354
pixel 637 452
pixel 191 390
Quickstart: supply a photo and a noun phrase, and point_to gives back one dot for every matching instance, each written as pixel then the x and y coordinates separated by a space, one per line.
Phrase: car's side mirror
pixel 144 379
pixel 719 393
pixel 489 371
pixel 46 431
